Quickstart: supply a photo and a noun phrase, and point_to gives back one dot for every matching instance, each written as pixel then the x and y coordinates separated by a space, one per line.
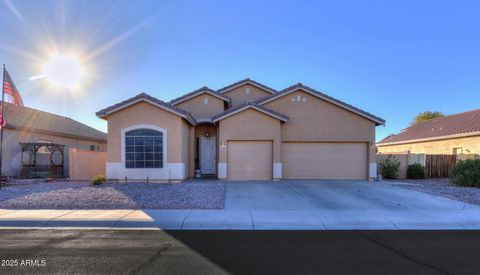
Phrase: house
pixel 31 125
pixel 453 134
pixel 244 131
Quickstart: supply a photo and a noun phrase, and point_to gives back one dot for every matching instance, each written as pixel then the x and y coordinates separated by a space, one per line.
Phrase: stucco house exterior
pixel 26 125
pixel 244 131
pixel 453 134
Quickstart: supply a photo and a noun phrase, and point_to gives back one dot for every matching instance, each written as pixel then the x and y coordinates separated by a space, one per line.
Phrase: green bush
pixel 390 167
pixel 466 173
pixel 99 179
pixel 416 171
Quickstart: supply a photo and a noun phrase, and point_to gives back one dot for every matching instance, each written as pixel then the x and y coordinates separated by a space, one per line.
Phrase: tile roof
pixel 199 91
pixel 36 120
pixel 321 95
pixel 182 112
pixel 250 104
pixel 244 81
pixel 448 126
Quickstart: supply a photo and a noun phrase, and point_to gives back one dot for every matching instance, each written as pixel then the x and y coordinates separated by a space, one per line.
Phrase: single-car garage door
pixel 322 160
pixel 249 160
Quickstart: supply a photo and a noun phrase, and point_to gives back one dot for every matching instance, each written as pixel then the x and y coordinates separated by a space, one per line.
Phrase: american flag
pixel 11 91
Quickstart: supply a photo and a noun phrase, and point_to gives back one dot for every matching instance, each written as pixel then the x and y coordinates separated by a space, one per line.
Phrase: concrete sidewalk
pixel 284 205
pixel 241 219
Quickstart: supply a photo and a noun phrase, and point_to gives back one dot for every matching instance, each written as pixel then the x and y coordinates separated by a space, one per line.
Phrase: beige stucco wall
pixel 313 119
pixel 240 95
pixel 186 146
pixel 12 151
pixel 469 145
pixel 249 125
pixel 199 109
pixel 191 152
pixel 145 113
pixel 84 165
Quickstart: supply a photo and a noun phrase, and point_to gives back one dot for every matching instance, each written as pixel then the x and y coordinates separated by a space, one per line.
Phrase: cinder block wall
pixel 404 160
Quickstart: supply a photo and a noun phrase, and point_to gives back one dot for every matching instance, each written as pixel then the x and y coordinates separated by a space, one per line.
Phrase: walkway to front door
pixel 207 155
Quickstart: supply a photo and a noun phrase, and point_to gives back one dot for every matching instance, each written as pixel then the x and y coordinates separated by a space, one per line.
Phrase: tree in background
pixel 426 116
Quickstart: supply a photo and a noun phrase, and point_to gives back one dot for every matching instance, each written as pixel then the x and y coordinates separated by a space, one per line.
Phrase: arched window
pixel 143 149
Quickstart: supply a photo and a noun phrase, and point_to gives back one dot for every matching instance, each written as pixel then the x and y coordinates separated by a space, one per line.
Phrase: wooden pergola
pixel 32 169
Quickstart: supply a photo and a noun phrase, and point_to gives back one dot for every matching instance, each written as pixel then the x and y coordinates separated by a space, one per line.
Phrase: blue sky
pixel 391 58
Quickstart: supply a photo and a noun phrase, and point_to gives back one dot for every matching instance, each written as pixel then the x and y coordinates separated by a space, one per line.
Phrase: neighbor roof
pixel 457 125
pixel 246 81
pixel 293 88
pixel 249 105
pixel 25 118
pixel 149 99
pixel 200 91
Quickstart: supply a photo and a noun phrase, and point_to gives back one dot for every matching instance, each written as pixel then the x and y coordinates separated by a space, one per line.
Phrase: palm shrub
pixel 416 171
pixel 98 179
pixel 390 167
pixel 466 173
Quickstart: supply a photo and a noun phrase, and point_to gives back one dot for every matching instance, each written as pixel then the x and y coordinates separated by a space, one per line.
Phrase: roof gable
pixel 300 86
pixel 203 90
pixel 457 125
pixel 143 97
pixel 246 81
pixel 247 106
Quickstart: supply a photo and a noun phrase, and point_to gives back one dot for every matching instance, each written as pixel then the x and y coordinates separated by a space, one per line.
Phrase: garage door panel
pixel 249 160
pixel 324 160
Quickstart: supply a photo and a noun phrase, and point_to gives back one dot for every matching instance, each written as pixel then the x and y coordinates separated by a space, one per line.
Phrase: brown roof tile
pixel 457 124
pixel 199 91
pixel 243 81
pixel 236 108
pixel 36 120
pixel 184 113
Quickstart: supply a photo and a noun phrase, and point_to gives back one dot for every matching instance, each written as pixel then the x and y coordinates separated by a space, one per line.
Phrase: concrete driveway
pixel 283 205
pixel 345 205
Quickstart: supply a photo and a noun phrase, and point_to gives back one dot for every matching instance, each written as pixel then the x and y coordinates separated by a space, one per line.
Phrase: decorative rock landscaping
pixel 82 195
pixel 442 187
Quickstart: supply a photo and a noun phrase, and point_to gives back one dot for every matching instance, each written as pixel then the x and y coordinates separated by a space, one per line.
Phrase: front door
pixel 207 155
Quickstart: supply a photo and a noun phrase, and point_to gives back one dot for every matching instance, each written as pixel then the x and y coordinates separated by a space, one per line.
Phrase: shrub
pixel 466 173
pixel 99 179
pixel 390 167
pixel 416 171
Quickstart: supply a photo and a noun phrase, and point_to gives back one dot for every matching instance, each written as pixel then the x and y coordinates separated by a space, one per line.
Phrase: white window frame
pixel 144 126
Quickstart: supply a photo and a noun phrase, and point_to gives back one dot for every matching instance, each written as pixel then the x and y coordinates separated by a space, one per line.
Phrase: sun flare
pixel 64 71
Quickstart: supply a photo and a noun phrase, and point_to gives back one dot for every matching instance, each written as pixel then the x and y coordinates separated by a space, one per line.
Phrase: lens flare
pixel 64 71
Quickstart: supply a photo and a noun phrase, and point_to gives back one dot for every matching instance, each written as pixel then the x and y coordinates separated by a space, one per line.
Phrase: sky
pixel 393 59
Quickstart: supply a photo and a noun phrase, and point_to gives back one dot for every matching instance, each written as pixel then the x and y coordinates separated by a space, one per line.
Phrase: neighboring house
pixel 30 125
pixel 245 131
pixel 454 134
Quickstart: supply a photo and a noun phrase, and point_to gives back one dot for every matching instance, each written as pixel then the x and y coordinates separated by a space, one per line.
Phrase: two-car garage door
pixel 324 160
pixel 253 160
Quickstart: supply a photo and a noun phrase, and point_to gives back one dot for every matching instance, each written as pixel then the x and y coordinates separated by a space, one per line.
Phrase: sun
pixel 64 71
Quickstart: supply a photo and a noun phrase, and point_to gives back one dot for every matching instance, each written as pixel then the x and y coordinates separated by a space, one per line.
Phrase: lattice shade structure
pixel 52 165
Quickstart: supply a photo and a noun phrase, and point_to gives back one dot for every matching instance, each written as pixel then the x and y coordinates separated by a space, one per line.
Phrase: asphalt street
pixel 238 252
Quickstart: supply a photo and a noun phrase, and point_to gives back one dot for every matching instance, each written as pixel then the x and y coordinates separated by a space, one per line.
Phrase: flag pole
pixel 1 130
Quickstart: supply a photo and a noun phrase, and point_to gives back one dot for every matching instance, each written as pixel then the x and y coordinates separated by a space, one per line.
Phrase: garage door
pixel 312 160
pixel 249 160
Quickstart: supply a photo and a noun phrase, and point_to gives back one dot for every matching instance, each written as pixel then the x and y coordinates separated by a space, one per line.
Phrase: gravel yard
pixel 443 188
pixel 82 195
